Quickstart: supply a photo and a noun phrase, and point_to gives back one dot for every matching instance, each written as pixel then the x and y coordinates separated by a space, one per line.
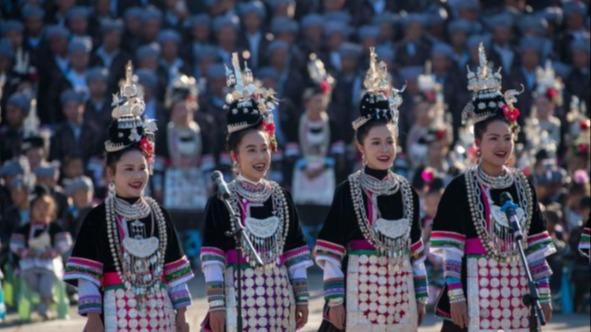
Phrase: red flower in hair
pixel 510 113
pixel 585 124
pixel 431 96
pixel 269 127
pixel 582 148
pixel 551 93
pixel 427 175
pixel 147 147
pixel 325 87
pixel 440 134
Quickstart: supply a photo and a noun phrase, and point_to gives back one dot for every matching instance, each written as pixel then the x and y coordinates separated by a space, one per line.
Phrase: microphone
pixel 510 209
pixel 221 186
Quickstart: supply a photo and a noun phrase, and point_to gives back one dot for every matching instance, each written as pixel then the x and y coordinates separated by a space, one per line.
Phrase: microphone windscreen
pixel 506 196
pixel 216 175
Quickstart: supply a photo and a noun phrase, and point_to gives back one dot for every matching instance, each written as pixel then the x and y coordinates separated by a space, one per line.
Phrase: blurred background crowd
pixel 61 60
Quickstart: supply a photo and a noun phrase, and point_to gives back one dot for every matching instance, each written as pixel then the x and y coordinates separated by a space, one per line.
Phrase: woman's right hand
pixel 94 323
pixel 459 314
pixel 336 316
pixel 217 320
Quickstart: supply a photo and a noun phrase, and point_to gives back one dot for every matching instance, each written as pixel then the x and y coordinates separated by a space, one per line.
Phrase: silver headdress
pixel 380 100
pixel 319 75
pixel 486 84
pixel 428 84
pixel 182 86
pixel 248 103
pixel 548 83
pixel 128 126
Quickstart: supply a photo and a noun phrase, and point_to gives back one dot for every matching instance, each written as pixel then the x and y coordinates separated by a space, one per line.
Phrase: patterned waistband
pixel 474 247
pixel 360 245
pixel 357 246
pixel 232 258
pixel 111 279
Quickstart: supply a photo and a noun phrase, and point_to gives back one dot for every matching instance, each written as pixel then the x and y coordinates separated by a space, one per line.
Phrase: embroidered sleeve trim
pixel 83 268
pixel 328 249
pixel 178 272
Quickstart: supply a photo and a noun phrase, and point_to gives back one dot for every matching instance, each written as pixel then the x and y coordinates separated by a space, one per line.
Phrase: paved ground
pixel 572 323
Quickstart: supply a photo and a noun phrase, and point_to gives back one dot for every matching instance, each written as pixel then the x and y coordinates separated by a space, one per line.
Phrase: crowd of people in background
pixel 61 61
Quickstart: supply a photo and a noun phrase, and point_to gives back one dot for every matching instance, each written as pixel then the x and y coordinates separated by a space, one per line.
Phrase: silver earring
pixel 235 168
pixel 111 189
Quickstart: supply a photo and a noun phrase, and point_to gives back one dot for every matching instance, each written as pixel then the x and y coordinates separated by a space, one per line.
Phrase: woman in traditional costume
pixel 370 247
pixel 472 234
pixel 127 262
pixel 313 180
pixel 273 294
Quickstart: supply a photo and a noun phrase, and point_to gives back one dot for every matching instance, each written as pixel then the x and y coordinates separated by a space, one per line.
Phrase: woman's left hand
pixel 420 312
pixel 181 321
pixel 301 315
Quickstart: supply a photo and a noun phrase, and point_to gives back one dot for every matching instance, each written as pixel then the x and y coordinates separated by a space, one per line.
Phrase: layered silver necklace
pixel 387 186
pixel 253 192
pixel 266 235
pixel 391 238
pixel 502 181
pixel 132 211
pixel 497 235
pixel 138 258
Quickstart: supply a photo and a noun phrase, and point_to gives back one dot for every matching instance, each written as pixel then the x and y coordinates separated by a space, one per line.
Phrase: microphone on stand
pixel 510 209
pixel 221 187
pixel 532 299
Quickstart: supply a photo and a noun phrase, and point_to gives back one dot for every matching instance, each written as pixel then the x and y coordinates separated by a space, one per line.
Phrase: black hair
pixel 481 127
pixel 234 139
pixel 39 192
pixel 113 157
pixel 435 186
pixel 362 132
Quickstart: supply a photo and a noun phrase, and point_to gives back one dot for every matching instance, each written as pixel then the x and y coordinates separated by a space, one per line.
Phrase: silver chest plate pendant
pixel 141 248
pixel 392 228
pixel 262 228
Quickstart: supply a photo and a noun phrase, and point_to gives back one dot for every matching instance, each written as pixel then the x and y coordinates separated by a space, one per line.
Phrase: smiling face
pixel 379 146
pixel 253 155
pixel 496 144
pixel 130 174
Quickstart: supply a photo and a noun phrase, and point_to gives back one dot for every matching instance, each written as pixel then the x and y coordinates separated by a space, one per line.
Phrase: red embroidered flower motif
pixel 325 87
pixel 147 147
pixel 551 93
pixel 585 124
pixel 510 113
